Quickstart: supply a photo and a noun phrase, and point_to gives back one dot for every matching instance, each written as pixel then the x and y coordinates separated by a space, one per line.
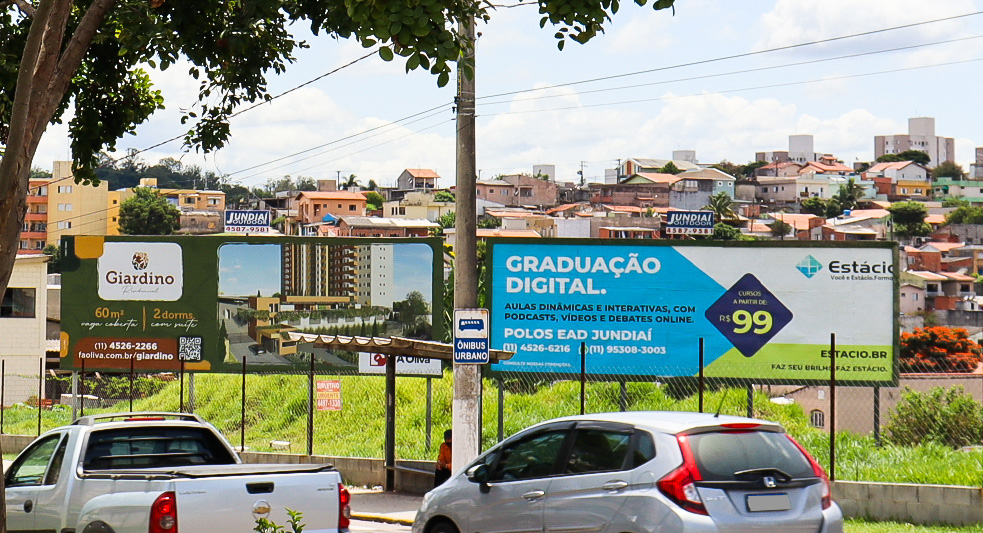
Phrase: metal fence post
pixel 623 399
pixel 81 394
pixel 310 407
pixel 832 406
pixel 3 386
pixel 242 419
pixel 40 390
pixel 583 375
pixel 75 394
pixel 701 383
pixel 501 409
pixel 132 364
pixel 750 400
pixel 429 411
pixel 877 415
pixel 181 396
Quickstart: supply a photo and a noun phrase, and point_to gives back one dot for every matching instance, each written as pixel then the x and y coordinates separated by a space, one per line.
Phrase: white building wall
pixel 22 340
pixel 382 287
pixel 573 228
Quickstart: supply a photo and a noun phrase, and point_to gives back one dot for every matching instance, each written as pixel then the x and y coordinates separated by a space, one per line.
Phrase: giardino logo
pixel 809 266
pixel 141 271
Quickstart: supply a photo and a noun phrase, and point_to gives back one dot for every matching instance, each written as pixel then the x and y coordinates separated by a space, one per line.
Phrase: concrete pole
pixel 466 377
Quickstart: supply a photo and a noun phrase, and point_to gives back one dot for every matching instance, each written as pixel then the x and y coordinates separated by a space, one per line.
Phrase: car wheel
pixel 443 526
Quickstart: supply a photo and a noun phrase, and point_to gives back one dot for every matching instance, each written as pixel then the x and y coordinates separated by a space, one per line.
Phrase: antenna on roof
pixel 721 404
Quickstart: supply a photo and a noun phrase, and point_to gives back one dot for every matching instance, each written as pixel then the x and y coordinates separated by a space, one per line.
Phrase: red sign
pixel 328 394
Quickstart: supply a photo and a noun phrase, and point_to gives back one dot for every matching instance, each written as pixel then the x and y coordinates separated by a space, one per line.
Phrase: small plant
pixel 950 417
pixel 264 525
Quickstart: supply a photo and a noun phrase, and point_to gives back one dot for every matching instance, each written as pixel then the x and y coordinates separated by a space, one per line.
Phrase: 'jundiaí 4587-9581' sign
pixel 764 311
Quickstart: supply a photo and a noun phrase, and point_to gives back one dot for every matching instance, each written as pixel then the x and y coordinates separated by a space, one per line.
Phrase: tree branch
pixel 25 6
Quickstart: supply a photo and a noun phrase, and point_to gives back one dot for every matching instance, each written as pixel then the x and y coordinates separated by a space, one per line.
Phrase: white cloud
pixel 798 21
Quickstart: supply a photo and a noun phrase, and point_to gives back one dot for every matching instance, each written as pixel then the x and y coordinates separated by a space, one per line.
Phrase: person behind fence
pixel 443 471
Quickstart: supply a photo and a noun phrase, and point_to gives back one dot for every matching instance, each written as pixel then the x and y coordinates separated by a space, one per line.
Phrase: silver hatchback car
pixel 637 472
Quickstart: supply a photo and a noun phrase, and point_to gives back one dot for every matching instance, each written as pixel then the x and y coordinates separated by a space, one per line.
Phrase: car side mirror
pixel 479 474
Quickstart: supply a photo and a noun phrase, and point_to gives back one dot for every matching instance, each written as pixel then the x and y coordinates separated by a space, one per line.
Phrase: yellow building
pixel 74 209
pixel 186 200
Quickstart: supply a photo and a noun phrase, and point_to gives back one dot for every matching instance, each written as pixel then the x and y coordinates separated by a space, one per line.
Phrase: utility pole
pixel 467 378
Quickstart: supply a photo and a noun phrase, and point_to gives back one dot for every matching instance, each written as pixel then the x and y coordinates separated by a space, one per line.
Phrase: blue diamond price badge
pixel 749 315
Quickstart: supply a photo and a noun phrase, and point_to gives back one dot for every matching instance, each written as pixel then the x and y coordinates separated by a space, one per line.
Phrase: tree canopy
pixel 148 213
pixel 939 349
pixel 722 206
pixel 94 55
pixel 917 156
pixel 965 215
pixel 948 169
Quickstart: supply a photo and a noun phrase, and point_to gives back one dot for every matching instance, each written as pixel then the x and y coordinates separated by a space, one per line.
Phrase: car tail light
pixel 819 472
pixel 344 507
pixel 740 425
pixel 163 514
pixel 680 484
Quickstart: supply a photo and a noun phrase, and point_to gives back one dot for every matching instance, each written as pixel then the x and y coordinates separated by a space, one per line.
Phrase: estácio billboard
pixel 764 311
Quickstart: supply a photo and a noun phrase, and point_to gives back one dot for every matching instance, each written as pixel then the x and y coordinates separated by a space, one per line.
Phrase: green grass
pixel 276 409
pixel 864 526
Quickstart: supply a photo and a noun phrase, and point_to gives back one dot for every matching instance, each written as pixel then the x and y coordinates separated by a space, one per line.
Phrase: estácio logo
pixel 141 271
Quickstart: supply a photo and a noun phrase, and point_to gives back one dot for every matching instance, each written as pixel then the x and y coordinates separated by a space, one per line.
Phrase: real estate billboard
pixel 210 302
pixel 764 311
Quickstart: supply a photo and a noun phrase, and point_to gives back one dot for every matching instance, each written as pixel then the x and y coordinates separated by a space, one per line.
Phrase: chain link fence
pixel 928 429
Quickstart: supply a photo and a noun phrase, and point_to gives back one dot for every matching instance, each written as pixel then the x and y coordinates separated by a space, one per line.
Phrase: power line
pixel 738 56
pixel 758 87
pixel 743 71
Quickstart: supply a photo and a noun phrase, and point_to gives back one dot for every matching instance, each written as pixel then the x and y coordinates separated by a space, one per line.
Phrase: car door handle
pixel 533 495
pixel 28 506
pixel 615 486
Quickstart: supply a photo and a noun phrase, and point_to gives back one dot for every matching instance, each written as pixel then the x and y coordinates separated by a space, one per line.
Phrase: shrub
pixel 946 416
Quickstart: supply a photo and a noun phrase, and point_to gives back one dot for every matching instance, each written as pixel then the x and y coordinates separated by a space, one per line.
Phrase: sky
pixel 648 99
pixel 245 269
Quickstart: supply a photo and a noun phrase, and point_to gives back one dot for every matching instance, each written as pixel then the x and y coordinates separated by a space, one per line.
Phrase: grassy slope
pixel 276 410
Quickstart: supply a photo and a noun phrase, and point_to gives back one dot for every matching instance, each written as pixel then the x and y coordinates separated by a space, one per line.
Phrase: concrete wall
pixel 359 471
pixel 918 504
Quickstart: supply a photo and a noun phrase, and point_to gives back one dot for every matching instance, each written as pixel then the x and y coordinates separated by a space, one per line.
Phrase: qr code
pixel 189 348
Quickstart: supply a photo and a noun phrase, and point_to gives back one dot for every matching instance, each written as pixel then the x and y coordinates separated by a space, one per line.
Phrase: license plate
pixel 768 502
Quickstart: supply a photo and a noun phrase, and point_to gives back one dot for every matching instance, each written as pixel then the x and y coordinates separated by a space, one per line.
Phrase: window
pixel 65 189
pixel 17 303
pixel 64 207
pixel 65 224
pixel 914 297
pixel 24 245
pixel 30 468
pixel 352 207
pixel 213 201
pixel 817 418
pixel 597 450
pixel 529 458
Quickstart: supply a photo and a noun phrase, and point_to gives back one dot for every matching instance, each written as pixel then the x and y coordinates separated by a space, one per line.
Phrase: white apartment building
pixel 374 272
pixel 921 136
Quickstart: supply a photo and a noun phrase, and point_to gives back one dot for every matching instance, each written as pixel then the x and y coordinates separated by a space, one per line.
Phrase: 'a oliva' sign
pixel 141 271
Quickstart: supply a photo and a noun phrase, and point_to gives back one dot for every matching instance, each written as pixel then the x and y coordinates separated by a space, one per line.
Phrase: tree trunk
pixel 42 81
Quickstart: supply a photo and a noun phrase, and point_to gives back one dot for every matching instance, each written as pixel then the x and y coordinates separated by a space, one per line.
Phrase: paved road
pixel 365 527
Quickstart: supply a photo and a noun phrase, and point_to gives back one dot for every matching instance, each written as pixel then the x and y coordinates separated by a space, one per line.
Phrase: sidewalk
pixel 380 506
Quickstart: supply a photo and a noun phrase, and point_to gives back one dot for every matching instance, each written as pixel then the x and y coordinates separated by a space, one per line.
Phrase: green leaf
pixel 413 62
pixel 443 78
pixel 368 43
pixel 559 44
pixel 386 53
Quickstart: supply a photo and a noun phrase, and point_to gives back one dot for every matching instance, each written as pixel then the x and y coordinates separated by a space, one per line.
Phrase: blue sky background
pixel 246 268
pixel 707 107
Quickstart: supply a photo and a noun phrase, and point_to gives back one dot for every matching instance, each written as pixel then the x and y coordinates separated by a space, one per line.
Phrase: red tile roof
pixel 422 173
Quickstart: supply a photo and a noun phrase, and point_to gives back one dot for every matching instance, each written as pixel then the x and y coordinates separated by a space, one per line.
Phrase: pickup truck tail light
pixel 163 514
pixel 344 508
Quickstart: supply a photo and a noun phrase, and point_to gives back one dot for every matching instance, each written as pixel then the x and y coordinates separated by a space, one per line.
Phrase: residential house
pixel 414 179
pixel 23 318
pixel 976 169
pixel 362 226
pixel 202 211
pixel 779 169
pixel 827 164
pixel 317 207
pixel 530 190
pixel 777 191
pixel 641 190
pixel 912 298
pixel 692 189
pixel 944 290
pixel 921 136
pixel 496 190
pixel 450 234
pixel 969 190
pixel 805 226
pixel 900 171
pixel 800 149
pixel 858 225
pixel 637 165
pixel 418 205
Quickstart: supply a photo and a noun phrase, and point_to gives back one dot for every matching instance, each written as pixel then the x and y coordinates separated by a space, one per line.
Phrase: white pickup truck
pixel 160 473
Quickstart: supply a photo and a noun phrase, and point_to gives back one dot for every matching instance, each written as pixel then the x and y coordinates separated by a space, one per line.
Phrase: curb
pixel 381 518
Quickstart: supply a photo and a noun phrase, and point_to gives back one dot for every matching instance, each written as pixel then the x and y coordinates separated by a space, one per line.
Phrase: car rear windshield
pixel 154 447
pixel 721 455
